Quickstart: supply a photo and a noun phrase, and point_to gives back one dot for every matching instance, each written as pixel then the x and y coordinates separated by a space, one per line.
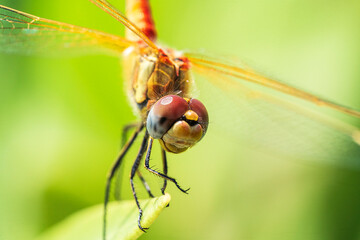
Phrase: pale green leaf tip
pixel 121 224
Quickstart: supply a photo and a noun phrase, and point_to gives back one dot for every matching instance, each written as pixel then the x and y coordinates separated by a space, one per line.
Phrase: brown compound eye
pixel 202 113
pixel 164 113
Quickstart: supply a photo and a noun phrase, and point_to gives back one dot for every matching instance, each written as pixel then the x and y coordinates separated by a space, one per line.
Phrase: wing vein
pixel 253 77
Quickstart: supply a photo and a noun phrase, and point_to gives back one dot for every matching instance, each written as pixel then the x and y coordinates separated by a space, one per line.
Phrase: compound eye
pixel 201 111
pixel 164 113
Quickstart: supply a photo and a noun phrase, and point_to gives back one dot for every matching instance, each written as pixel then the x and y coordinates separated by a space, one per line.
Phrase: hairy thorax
pixel 152 75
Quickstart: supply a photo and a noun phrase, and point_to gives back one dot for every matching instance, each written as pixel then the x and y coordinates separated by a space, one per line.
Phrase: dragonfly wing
pixel 274 121
pixel 245 74
pixel 27 34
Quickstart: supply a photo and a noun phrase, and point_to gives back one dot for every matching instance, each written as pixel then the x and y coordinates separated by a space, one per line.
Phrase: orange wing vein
pixel 28 34
pixel 250 76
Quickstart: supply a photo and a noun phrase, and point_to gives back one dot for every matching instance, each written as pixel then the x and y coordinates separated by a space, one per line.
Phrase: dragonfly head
pixel 179 123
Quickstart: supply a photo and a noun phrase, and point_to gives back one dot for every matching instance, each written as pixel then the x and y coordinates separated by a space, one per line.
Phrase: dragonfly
pixel 270 114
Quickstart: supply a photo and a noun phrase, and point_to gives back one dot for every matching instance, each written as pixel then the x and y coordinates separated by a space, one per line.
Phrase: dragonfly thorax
pixel 154 75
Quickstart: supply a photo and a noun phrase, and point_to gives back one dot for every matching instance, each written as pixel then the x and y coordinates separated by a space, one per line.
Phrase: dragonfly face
pixel 177 122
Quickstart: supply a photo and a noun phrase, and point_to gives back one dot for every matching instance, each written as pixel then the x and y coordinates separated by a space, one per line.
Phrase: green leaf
pixel 121 223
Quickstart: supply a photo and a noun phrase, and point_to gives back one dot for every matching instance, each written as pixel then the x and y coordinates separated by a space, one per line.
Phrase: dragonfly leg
pixel 113 170
pixel 147 166
pixel 147 187
pixel 124 138
pixel 125 131
pixel 134 169
pixel 165 169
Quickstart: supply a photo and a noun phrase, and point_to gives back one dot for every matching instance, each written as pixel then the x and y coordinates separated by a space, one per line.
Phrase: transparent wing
pixel 272 117
pixel 27 34
pixel 251 76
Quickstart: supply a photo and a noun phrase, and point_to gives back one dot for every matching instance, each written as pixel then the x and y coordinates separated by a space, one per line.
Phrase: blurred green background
pixel 61 121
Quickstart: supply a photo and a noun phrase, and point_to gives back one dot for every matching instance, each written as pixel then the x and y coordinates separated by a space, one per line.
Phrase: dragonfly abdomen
pixel 139 13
